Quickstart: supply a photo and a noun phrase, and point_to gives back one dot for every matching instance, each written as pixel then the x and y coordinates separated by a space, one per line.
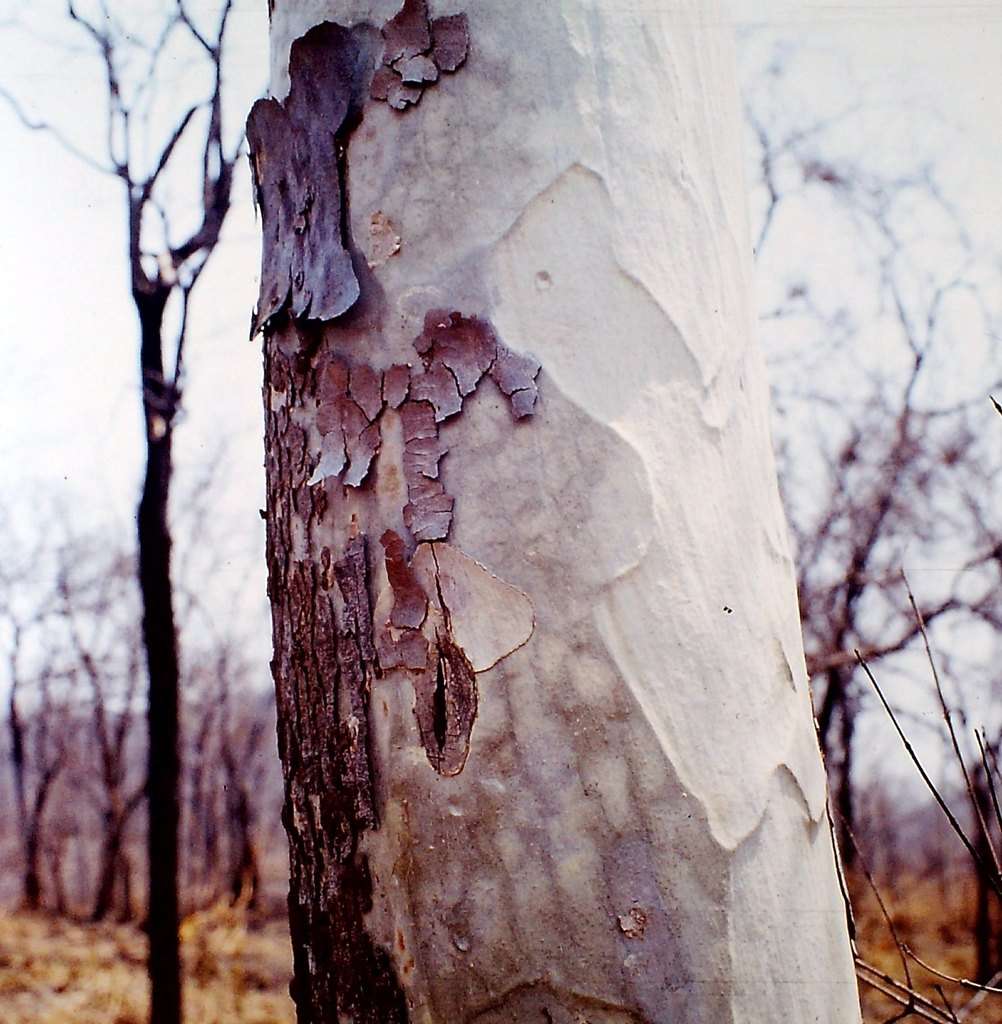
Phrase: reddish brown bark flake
pixel 408 32
pixel 418 420
pixel 409 602
pixel 451 36
pixel 417 70
pixel 361 452
pixel 415 51
pixel 396 385
pixel 515 374
pixel 437 386
pixel 465 345
pixel 408 649
pixel 367 390
pixel 428 513
pixel 305 265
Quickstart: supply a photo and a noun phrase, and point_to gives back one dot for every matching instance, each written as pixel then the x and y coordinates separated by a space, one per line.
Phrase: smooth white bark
pixel 639 834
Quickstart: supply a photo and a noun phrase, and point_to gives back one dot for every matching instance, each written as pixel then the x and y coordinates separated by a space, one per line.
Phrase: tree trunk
pixel 111 844
pixel 543 713
pixel 32 868
pixel 160 640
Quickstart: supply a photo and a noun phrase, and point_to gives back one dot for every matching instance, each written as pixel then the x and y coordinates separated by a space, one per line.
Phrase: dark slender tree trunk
pixel 844 796
pixel 32 875
pixel 985 938
pixel 110 849
pixel 160 639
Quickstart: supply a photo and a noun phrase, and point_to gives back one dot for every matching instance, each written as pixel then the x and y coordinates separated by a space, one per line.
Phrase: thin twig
pixel 943 806
pixel 976 986
pixel 978 998
pixel 947 1004
pixel 880 901
pixel 43 126
pixel 989 775
pixel 954 739
pixel 890 987
pixel 168 150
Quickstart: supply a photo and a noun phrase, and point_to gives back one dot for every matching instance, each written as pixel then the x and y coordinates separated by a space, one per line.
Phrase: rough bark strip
pixel 296 148
pixel 324 661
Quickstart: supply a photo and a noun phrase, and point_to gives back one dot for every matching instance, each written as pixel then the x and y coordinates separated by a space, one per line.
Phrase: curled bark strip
pixel 409 602
pixel 295 147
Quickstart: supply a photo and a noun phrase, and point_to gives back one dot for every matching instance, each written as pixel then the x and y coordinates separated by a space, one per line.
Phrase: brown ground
pixel 57 972
pixel 933 916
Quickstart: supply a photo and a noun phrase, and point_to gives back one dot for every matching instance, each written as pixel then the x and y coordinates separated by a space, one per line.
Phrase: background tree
pixel 165 263
pixel 881 374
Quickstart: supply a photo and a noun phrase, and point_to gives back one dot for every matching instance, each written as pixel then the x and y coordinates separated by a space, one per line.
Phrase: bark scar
pixel 472 620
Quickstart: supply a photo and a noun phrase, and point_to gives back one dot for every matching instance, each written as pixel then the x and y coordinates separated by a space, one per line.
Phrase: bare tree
pixel 883 451
pixel 107 651
pixel 162 267
pixel 38 741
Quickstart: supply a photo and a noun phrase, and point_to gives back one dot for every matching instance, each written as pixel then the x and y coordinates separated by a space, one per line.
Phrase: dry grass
pixel 56 972
pixel 933 916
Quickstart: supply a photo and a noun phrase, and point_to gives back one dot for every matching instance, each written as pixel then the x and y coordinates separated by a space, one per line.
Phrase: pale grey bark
pixel 638 833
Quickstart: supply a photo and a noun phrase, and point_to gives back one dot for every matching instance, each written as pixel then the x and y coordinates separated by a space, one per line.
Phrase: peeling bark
pixel 295 149
pixel 416 49
pixel 549 800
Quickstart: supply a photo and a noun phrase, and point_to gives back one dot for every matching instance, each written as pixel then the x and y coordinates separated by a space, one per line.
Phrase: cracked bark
pixel 324 665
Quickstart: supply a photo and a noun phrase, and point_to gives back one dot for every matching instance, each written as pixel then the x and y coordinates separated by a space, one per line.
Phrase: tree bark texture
pixel 543 713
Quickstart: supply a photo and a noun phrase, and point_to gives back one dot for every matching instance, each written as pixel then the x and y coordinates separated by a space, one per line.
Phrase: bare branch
pixel 167 152
pixel 185 19
pixel 954 740
pixel 989 775
pixel 43 126
pixel 916 1004
pixel 888 920
pixel 964 982
pixel 989 875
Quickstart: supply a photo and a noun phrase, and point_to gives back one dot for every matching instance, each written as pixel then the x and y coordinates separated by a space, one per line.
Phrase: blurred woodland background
pixel 880 310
